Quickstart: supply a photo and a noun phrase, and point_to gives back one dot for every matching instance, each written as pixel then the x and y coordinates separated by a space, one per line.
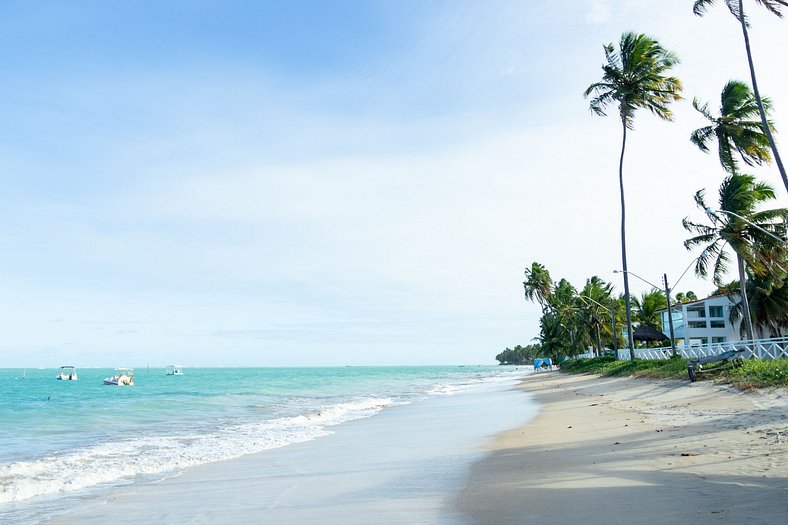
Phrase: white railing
pixel 774 348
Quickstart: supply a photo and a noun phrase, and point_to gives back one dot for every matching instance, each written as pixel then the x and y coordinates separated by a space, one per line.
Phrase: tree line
pixel 636 75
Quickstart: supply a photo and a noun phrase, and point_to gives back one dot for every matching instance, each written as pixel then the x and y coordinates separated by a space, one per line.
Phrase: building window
pixel 696 311
pixel 715 311
pixel 716 340
pixel 697 324
pixel 716 324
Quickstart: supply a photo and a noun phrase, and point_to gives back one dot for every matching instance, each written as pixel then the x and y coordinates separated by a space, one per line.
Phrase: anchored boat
pixel 174 370
pixel 67 373
pixel 122 377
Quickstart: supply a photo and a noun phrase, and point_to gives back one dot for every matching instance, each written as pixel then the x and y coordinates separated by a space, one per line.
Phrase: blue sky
pixel 317 183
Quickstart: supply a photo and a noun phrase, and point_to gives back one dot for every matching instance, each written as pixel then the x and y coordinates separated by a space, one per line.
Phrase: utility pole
pixel 670 316
pixel 613 321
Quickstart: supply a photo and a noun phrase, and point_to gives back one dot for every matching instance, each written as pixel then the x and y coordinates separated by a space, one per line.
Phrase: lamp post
pixel 711 213
pixel 668 290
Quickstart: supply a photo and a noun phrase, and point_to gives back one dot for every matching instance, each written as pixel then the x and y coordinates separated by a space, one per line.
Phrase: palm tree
pixel 736 7
pixel 768 298
pixel 538 285
pixel 648 306
pixel 739 195
pixel 561 327
pixel 593 305
pixel 634 78
pixel 737 129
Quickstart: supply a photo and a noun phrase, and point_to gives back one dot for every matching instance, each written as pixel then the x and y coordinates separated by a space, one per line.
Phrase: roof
pixel 648 333
pixel 695 301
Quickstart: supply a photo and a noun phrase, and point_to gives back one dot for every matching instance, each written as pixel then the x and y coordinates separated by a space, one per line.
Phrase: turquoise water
pixel 62 437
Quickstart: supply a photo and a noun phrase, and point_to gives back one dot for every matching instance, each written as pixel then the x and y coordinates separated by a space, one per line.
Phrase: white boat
pixel 174 370
pixel 122 377
pixel 67 373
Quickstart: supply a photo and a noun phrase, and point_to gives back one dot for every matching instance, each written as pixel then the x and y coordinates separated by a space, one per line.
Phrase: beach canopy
pixel 541 363
pixel 648 333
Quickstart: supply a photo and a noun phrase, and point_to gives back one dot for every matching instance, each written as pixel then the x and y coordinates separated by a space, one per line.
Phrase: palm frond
pixel 773 6
pixel 701 137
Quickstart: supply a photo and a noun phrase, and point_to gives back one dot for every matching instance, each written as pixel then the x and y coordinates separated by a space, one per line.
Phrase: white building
pixel 705 321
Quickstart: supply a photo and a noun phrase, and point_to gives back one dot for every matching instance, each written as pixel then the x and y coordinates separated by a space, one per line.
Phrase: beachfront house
pixel 702 322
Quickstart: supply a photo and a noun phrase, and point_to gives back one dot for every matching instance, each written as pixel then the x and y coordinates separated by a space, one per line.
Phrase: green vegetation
pixel 737 129
pixel 744 229
pixel 758 374
pixel 754 373
pixel 521 355
pixel 636 76
pixel 572 321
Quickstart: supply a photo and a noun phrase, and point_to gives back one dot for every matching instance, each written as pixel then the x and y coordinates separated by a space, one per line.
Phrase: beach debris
pixel 685 454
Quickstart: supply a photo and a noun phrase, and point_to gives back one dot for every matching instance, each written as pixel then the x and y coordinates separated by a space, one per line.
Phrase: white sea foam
pixel 476 382
pixel 119 461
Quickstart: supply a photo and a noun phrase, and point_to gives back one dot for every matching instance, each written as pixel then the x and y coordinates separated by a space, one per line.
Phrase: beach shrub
pixel 758 373
pixel 754 373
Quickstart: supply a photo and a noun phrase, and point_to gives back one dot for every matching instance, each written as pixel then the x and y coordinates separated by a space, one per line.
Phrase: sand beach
pixel 622 450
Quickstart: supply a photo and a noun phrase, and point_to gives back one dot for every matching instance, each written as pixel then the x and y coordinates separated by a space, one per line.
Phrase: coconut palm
pixel 738 129
pixel 768 298
pixel 634 77
pixel 739 195
pixel 593 305
pixel 647 308
pixel 538 285
pixel 736 7
pixel 561 328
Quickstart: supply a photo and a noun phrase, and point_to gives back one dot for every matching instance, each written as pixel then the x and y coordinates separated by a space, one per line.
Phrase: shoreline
pixel 401 466
pixel 624 450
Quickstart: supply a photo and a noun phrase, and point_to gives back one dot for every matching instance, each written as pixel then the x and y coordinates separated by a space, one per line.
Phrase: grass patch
pixel 757 373
pixel 754 373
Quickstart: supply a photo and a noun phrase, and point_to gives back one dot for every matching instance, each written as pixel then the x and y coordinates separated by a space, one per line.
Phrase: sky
pixel 336 182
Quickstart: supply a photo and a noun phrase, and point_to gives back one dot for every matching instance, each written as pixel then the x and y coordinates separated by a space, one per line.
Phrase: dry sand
pixel 621 450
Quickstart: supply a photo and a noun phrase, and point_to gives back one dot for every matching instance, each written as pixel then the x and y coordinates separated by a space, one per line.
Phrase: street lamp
pixel 711 213
pixel 667 298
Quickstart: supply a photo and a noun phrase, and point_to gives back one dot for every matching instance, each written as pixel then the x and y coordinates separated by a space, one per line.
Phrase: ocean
pixel 61 439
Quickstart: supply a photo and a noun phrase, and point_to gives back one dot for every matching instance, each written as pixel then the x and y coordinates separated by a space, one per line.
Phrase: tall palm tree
pixel 739 195
pixel 737 129
pixel 538 285
pixel 634 77
pixel 736 7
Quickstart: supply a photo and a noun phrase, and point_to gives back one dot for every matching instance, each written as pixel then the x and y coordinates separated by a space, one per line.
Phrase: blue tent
pixel 543 363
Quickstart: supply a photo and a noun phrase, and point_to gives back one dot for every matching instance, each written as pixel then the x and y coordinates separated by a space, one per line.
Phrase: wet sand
pixel 620 451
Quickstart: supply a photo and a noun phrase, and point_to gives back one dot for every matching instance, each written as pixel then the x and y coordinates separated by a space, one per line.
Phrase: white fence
pixel 757 349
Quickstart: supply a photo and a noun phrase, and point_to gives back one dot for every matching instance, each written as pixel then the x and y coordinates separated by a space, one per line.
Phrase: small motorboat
pixel 122 377
pixel 67 373
pixel 174 370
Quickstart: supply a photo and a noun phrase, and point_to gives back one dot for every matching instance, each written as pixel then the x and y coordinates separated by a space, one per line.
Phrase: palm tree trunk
pixel 745 302
pixel 624 243
pixel 764 122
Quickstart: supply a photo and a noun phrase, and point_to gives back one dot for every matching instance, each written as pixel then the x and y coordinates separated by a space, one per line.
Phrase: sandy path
pixel 621 450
